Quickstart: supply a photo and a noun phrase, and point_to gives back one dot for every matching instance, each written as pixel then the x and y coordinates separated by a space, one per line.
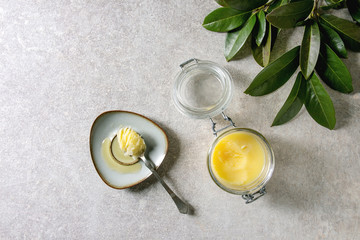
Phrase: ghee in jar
pixel 238 159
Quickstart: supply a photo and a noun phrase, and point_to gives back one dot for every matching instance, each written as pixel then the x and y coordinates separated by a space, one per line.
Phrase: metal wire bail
pixel 226 118
pixel 255 196
pixel 189 61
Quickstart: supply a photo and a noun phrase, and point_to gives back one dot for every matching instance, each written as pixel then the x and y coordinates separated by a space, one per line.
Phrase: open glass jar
pixel 203 89
pixel 259 173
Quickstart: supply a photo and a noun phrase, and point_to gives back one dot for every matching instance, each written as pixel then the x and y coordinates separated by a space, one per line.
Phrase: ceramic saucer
pixel 106 125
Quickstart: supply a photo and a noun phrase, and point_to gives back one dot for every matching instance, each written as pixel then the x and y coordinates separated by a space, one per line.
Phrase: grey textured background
pixel 62 63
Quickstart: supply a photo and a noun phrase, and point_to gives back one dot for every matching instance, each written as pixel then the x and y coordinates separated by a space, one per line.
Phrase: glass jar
pixel 255 188
pixel 203 89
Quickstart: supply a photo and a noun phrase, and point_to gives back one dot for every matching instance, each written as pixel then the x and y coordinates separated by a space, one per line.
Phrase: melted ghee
pixel 113 163
pixel 238 159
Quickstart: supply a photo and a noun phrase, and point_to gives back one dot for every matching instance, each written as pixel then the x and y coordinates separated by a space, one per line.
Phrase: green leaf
pixel 245 5
pixel 275 74
pixel 310 48
pixel 333 1
pixel 354 9
pixel 221 3
pixel 277 4
pixel 333 4
pixel 330 36
pixel 301 23
pixel 288 15
pixel 262 53
pixel 333 71
pixel 261 27
pixel 318 103
pixel 348 31
pixel 293 103
pixel 235 40
pixel 225 19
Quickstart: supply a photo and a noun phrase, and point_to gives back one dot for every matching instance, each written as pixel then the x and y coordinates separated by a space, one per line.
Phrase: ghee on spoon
pixel 132 144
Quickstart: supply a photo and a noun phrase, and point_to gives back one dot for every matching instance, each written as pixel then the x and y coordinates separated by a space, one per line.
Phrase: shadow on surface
pixel 342 109
pixel 192 211
pixel 297 181
pixel 170 158
pixel 352 65
pixel 239 78
pixel 282 44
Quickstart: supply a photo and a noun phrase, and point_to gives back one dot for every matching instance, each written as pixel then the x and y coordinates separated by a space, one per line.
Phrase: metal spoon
pixel 181 205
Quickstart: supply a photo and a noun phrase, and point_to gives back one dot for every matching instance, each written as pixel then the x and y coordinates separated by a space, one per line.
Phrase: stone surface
pixel 62 63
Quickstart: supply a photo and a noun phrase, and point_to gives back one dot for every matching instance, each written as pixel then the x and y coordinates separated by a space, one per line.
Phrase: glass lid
pixel 202 89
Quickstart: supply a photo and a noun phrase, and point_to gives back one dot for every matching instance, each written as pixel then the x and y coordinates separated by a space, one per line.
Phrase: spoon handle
pixel 181 205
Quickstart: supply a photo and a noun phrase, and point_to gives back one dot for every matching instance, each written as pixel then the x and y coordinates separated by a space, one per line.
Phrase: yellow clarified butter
pixel 238 159
pixel 131 143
